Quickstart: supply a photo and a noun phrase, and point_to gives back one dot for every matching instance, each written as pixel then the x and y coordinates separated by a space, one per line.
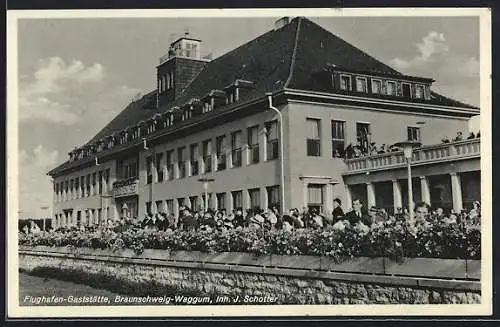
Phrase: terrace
pixel 429 154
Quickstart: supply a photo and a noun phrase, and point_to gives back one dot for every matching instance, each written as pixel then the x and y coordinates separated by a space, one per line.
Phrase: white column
pixel 348 198
pixel 246 200
pixel 456 191
pixel 264 201
pixel 396 193
pixel 424 186
pixel 229 199
pixel 305 195
pixel 328 199
pixel 370 193
pixel 92 184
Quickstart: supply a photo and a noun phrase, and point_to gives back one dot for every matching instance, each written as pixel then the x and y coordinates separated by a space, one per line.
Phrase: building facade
pixel 215 119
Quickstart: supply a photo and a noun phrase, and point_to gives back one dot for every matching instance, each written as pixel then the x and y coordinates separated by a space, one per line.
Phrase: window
pixel 194 203
pixel 237 199
pixel 254 195
pixel 148 208
pixel 361 84
pixel 363 133
pixel 180 203
pixel 315 197
pixel 236 149
pixel 413 133
pixel 159 167
pixel 88 185
pixel 71 189
pixel 77 186
pixel 345 82
pixel 193 159
pixel 181 161
pixel 100 184
pixel 94 186
pixel 273 196
pixel 170 206
pixel 149 170
pixel 207 106
pixel 230 97
pixel 391 88
pixel 221 200
pixel 108 172
pixel 133 169
pixel 406 90
pixel 220 144
pixel 419 91
pixel 170 165
pixel 253 144
pixel 207 155
pixel 313 137
pixel 159 206
pixel 82 183
pixel 376 86
pixel 272 140
pixel 338 138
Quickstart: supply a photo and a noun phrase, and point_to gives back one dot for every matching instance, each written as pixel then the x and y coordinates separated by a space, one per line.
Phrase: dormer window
pixel 186 112
pixel 419 91
pixel 231 96
pixel 406 89
pixel 391 88
pixel 376 86
pixel 361 84
pixel 207 105
pixel 345 83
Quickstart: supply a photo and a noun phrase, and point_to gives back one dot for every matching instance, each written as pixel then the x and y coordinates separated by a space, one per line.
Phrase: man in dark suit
pixel 357 214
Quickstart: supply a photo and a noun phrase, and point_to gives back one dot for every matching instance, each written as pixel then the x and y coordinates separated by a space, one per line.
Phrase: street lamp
pixel 408 147
pixel 205 181
pixel 282 151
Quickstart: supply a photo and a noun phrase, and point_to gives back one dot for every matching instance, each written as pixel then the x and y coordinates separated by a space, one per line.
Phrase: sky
pixel 76 74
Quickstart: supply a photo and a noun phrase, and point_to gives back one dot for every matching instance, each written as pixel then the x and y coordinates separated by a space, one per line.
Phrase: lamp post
pixel 205 181
pixel 282 151
pixel 408 153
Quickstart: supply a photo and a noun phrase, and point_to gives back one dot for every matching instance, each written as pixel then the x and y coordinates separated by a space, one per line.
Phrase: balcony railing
pixel 425 154
pixel 126 187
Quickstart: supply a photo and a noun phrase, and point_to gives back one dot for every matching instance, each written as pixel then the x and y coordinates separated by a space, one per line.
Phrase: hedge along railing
pixel 442 273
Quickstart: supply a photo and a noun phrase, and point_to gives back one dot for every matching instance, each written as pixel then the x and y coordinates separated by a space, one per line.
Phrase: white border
pixel 14 310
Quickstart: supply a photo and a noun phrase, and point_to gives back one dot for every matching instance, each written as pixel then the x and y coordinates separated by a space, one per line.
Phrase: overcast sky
pixel 77 74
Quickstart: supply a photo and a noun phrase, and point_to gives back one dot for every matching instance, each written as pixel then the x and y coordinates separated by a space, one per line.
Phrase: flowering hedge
pixel 388 239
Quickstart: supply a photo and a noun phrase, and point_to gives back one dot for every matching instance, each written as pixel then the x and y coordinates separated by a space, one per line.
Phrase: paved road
pixel 32 289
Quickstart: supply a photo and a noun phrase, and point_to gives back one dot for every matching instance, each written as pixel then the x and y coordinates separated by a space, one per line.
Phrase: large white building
pixel 222 119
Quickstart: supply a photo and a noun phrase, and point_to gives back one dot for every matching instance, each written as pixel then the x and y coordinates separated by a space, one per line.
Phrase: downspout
pixel 282 159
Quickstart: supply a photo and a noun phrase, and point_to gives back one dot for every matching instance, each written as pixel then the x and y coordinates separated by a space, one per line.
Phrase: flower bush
pixel 394 239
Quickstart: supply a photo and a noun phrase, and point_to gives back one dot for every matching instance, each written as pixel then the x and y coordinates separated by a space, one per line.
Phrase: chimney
pixel 281 22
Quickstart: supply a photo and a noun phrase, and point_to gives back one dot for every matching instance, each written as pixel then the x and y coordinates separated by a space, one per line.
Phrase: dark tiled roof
pixel 445 101
pixel 136 111
pixel 317 47
pixel 267 62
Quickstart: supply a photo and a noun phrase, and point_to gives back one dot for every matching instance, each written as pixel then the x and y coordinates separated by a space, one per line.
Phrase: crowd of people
pixel 365 148
pixel 460 137
pixel 295 218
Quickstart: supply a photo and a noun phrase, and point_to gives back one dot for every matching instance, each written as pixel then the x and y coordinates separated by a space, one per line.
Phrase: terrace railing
pixel 426 154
